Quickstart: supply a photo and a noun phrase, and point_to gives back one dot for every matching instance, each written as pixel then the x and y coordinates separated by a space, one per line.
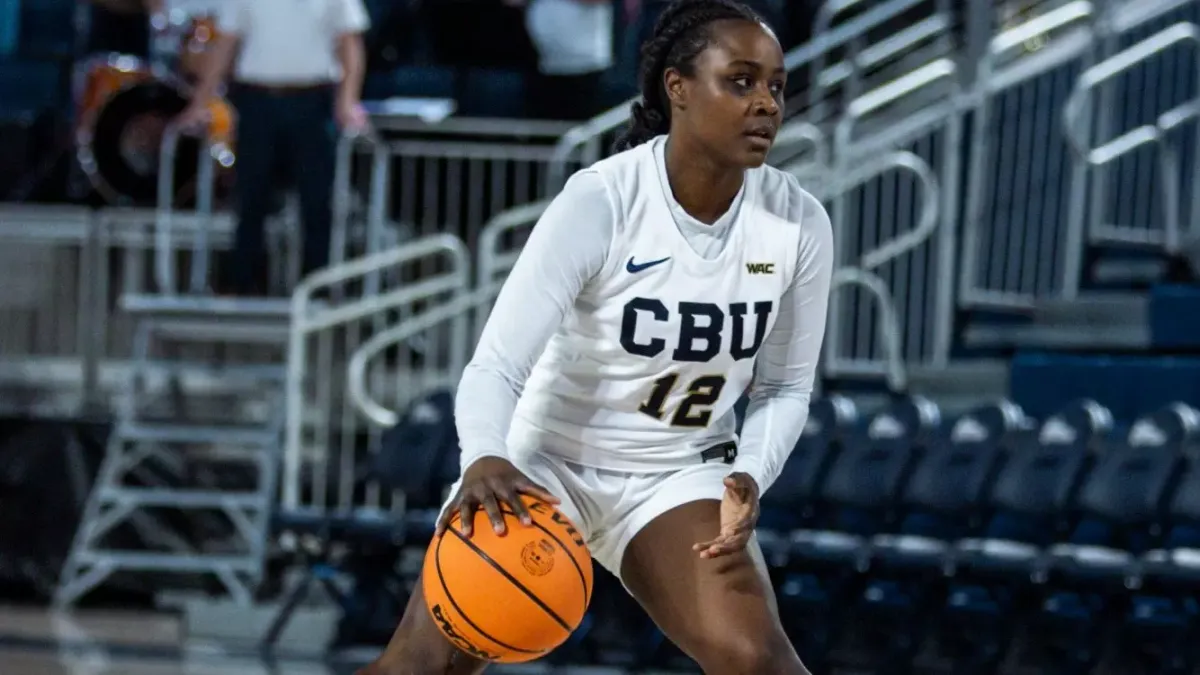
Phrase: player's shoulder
pixel 779 195
pixel 628 174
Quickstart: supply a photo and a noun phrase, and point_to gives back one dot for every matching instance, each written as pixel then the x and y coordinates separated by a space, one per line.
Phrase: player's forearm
pixel 352 55
pixel 483 410
pixel 774 421
pixel 215 67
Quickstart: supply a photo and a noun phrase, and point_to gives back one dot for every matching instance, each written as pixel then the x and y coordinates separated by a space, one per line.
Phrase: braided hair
pixel 682 32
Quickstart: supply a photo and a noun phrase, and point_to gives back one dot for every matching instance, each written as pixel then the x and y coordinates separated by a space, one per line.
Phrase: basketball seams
pixel 437 561
pixel 587 591
pixel 513 580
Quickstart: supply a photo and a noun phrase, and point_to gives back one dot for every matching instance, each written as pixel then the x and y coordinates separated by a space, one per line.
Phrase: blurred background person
pixel 297 81
pixel 574 42
pixel 120 26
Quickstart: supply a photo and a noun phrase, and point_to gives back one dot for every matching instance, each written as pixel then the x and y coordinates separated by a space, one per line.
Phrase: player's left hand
pixel 739 514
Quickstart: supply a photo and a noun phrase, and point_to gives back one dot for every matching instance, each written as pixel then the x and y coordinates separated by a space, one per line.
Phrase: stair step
pixel 184 499
pixel 227 376
pixel 138 561
pixel 1105 309
pixel 986 378
pixel 198 306
pixel 198 434
pixel 219 331
pixel 1132 337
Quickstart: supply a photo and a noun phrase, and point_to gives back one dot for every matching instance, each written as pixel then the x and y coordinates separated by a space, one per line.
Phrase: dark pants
pixel 295 130
pixel 567 97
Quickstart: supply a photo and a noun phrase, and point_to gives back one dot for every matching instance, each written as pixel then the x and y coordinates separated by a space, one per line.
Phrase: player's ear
pixel 675 85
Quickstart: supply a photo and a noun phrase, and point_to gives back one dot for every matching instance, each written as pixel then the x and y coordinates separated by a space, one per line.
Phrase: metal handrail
pixel 305 322
pixel 807 54
pixel 342 192
pixel 878 53
pixel 164 259
pixel 800 134
pixel 822 25
pixel 1040 26
pixel 490 259
pixel 875 100
pixel 889 324
pixel 1078 131
pixel 1076 122
pixel 927 221
pixel 356 369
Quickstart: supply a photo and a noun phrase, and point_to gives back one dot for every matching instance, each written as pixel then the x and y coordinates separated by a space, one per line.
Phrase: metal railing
pixel 1161 136
pixel 864 54
pixel 587 143
pixel 883 226
pixel 201 221
pixel 326 439
pixel 1009 225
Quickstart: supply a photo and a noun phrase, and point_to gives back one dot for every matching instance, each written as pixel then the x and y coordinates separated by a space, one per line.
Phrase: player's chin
pixel 754 151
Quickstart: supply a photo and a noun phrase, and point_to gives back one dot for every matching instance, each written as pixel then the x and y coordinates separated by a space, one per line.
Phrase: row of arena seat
pixel 902 530
pixel 910 534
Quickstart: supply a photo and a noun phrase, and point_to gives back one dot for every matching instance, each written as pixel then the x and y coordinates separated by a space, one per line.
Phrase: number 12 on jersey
pixel 695 410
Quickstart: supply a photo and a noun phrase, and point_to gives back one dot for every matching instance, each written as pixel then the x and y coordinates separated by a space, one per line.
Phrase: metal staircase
pixel 191 468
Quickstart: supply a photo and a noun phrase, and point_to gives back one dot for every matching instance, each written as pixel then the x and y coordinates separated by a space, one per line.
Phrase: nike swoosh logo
pixel 634 268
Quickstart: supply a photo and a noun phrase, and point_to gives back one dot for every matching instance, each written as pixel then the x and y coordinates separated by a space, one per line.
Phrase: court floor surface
pixel 35 641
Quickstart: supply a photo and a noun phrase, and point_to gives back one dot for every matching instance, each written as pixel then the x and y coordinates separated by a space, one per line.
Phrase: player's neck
pixel 704 189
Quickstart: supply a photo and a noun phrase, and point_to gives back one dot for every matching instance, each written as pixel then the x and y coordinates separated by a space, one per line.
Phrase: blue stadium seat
pixel 788 505
pixel 1081 424
pixel 997 422
pixel 823 568
pixel 1119 504
pixel 1164 614
pixel 1176 426
pixel 942 502
pixel 1122 499
pixel 859 494
pixel 999 571
pixel 419 457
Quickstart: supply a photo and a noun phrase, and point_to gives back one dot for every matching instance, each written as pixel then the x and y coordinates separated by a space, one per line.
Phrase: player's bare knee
pixel 742 653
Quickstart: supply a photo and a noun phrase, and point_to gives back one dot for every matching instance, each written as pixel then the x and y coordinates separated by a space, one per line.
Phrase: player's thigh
pixel 721 612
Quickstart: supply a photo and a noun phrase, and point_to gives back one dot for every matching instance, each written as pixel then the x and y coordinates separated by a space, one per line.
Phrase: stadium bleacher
pixel 897 535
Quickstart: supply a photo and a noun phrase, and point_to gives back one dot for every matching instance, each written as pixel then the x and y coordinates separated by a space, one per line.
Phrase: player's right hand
pixel 489 482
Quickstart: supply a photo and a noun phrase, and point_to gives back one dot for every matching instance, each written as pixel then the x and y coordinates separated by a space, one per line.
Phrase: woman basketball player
pixel 656 288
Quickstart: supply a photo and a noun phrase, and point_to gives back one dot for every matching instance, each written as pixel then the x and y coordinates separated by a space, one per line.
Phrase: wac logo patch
pixel 760 268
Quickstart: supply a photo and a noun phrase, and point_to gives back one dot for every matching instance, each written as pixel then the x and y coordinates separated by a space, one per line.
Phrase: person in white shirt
pixel 660 285
pixel 574 42
pixel 298 79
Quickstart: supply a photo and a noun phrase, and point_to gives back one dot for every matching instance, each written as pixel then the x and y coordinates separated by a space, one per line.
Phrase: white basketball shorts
pixel 610 507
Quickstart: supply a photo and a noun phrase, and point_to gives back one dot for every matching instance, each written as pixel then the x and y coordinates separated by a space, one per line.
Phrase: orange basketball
pixel 509 598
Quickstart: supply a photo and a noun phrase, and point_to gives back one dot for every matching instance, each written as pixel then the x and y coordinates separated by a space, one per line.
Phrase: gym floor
pixel 36 641
pixel 39 642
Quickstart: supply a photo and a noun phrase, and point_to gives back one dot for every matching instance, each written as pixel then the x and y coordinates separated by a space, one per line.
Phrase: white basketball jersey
pixel 644 372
